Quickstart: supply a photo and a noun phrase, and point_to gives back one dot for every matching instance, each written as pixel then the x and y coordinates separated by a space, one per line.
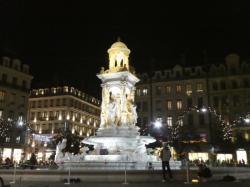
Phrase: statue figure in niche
pixel 118 112
pixel 131 111
pixel 112 107
pixel 104 113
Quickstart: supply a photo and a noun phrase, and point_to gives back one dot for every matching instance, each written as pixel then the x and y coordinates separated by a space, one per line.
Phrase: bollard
pixel 187 174
pixel 68 183
pixel 125 172
pixel 14 175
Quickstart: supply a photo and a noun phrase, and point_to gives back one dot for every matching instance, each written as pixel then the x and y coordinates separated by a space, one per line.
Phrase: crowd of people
pixel 219 163
pixel 31 163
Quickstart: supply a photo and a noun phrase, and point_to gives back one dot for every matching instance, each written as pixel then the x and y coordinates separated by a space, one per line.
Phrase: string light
pixel 6 126
pixel 226 127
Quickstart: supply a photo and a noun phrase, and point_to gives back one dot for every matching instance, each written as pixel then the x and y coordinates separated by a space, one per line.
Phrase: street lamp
pixel 157 124
pixel 247 120
pixel 204 110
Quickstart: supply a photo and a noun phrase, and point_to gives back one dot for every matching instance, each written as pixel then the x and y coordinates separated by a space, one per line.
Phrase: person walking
pixel 165 156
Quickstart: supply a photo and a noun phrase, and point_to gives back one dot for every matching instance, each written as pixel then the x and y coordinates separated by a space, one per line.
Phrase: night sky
pixel 66 43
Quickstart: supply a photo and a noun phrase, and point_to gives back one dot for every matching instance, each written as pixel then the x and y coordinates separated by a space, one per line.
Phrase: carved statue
pixel 131 111
pixel 112 107
pixel 60 146
pixel 105 101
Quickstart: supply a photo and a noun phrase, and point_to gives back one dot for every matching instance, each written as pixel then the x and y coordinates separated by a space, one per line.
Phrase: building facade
pixel 187 93
pixel 53 110
pixel 15 81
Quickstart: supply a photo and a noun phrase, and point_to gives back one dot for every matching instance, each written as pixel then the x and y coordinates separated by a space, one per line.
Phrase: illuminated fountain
pixel 117 139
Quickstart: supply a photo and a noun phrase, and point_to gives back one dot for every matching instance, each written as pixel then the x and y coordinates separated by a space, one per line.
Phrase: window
pixel 12 98
pixel 145 91
pixel 24 84
pixel 66 89
pixel 224 100
pixel 1 113
pixel 200 102
pixel 23 101
pixel 39 104
pixel 51 103
pixel 189 102
pixel 168 89
pixel 245 83
pixel 180 120
pixel 138 106
pixel 45 103
pixel 57 102
pixel 178 88
pixel 2 96
pixel 201 119
pixel 222 85
pixel 4 78
pixel 170 121
pixel 215 86
pixel 53 90
pixel 18 139
pixel 216 101
pixel 11 114
pixel 158 90
pixel 64 103
pixel 169 105
pixel 234 84
pixel 190 119
pixel 138 92
pixel 189 89
pixel 14 81
pixel 178 74
pixel 199 87
pixel 144 106
pixel 179 104
pixel 236 100
pixel 158 105
pixel 32 115
pixel 7 139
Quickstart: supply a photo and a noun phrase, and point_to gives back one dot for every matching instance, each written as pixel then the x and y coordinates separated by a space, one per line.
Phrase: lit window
pixel 168 89
pixel 145 91
pixel 138 92
pixel 199 87
pixel 189 89
pixel 1 113
pixel 53 90
pixel 7 139
pixel 169 105
pixel 170 121
pixel 18 139
pixel 178 88
pixel 2 96
pixel 180 121
pixel 66 89
pixel 41 91
pixel 179 104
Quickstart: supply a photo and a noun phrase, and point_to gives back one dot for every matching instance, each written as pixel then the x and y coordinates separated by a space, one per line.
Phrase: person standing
pixel 165 156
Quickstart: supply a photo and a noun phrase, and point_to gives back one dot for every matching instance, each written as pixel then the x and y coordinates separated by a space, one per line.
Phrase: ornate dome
pixel 119 44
